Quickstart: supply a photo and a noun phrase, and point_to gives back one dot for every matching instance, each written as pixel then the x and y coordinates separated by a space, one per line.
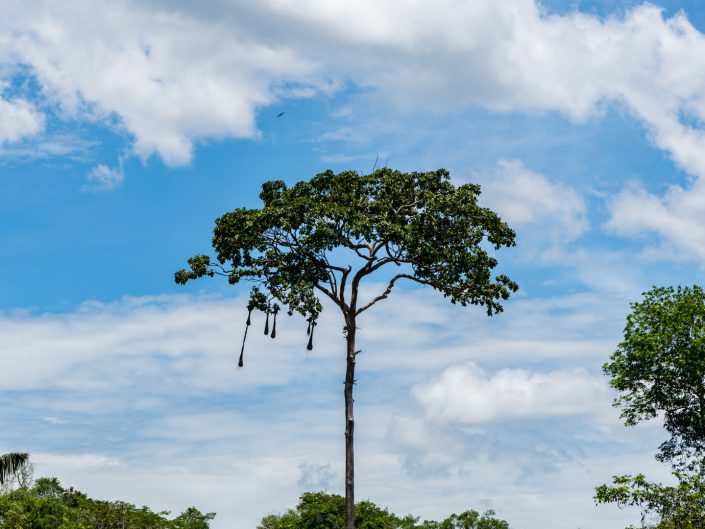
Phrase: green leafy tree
pixel 680 506
pixel 659 370
pixel 318 510
pixel 468 520
pixel 326 235
pixel 47 505
pixel 48 488
pixel 192 518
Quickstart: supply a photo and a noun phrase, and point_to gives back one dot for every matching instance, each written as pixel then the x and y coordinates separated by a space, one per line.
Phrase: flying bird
pixel 280 114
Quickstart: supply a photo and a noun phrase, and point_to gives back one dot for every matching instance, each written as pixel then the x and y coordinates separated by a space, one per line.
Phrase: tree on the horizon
pixel 324 236
pixel 46 504
pixel 319 510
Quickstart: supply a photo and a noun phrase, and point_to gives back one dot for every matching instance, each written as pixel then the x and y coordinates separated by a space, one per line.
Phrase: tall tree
pixel 11 463
pixel 324 236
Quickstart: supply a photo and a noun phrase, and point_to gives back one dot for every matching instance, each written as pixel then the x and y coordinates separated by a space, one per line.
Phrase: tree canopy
pixel 48 505
pixel 318 510
pixel 659 367
pixel 679 506
pixel 418 221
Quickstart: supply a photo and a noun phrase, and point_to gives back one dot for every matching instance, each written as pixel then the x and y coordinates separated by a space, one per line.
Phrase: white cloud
pixel 678 217
pixel 43 147
pixel 191 344
pixel 512 56
pixel 174 73
pixel 525 198
pixel 121 345
pixel 78 462
pixel 166 78
pixel 19 119
pixel 317 477
pixel 466 394
pixel 105 178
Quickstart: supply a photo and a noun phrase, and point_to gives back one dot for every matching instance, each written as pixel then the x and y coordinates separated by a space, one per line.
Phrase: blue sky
pixel 127 128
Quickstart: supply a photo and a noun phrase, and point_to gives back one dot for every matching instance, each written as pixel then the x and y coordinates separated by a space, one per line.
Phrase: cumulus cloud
pixel 508 56
pixel 525 198
pixel 166 78
pixel 678 217
pixel 19 119
pixel 466 394
pixel 172 73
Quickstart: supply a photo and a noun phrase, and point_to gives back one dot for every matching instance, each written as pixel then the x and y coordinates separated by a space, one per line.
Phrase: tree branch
pixel 389 288
pixel 332 296
pixel 366 269
pixel 356 249
pixel 223 271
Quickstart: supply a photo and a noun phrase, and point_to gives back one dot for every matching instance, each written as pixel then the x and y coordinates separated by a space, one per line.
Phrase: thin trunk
pixel 349 430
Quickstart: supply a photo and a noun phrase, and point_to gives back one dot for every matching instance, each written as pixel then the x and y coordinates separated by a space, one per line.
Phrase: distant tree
pixel 324 236
pixel 47 505
pixel 318 510
pixel 467 520
pixel 24 475
pixel 48 488
pixel 659 370
pixel 192 518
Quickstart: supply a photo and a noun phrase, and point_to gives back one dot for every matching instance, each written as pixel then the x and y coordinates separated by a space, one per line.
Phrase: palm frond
pixel 10 463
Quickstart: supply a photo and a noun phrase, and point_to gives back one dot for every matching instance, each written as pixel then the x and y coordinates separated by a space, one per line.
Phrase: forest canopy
pixel 48 505
pixel 319 510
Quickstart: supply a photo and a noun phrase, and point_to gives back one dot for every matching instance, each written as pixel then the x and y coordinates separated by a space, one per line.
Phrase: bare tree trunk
pixel 349 430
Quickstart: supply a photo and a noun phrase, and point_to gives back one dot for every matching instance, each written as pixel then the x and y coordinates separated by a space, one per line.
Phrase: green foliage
pixel 318 510
pixel 192 518
pixel 47 505
pixel 421 222
pixel 660 368
pixel 666 507
pixel 467 520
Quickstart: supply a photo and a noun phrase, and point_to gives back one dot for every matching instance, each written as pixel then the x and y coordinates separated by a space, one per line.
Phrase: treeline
pixel 47 505
pixel 318 510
